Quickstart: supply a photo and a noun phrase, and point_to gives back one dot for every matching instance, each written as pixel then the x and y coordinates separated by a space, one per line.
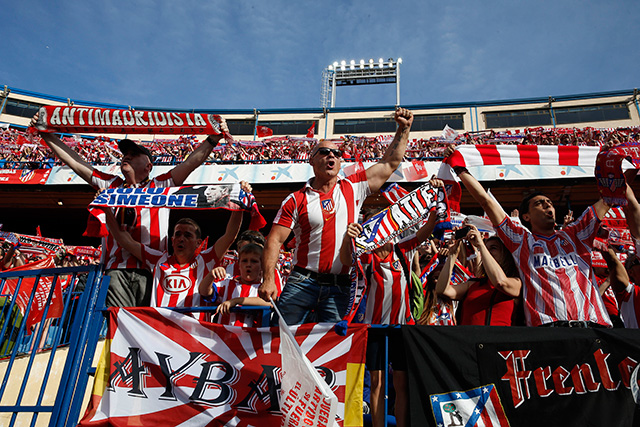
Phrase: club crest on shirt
pixel 327 205
pixel 176 283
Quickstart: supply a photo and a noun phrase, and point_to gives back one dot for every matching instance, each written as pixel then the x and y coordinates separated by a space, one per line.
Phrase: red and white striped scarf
pixel 544 155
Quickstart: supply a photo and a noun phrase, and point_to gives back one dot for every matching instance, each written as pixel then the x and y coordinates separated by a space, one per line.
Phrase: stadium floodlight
pixel 351 75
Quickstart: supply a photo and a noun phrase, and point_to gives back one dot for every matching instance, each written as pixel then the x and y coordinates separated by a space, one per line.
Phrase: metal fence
pixel 49 323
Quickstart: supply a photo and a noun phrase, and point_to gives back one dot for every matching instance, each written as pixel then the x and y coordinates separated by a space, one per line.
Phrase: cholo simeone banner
pixel 227 196
pixel 74 119
pixel 160 367
pixel 517 376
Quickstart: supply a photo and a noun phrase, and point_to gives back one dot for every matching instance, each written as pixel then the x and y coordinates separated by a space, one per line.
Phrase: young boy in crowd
pixel 240 289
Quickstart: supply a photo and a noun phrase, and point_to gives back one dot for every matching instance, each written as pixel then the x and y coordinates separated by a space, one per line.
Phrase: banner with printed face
pixel 221 196
pixel 161 367
pixel 516 376
pixel 102 120
pixel 227 196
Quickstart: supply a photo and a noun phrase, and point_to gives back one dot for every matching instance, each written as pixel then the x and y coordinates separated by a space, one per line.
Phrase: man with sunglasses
pixel 319 214
pixel 131 282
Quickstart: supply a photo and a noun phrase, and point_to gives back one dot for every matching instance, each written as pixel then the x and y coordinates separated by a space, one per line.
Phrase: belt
pixel 325 279
pixel 573 324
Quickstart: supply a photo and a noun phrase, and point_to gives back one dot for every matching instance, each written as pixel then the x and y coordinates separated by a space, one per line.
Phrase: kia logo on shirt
pixel 176 283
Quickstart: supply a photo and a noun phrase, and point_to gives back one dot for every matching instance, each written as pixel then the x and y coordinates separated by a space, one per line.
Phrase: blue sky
pixel 270 54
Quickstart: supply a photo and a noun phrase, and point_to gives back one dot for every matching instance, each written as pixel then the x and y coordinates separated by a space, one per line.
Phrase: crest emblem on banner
pixel 26 175
pixel 479 406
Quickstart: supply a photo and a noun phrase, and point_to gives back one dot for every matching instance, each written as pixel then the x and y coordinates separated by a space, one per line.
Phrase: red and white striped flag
pixel 546 155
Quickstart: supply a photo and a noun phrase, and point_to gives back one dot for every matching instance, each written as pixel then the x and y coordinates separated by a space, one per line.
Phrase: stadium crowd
pixel 23 151
pixel 459 277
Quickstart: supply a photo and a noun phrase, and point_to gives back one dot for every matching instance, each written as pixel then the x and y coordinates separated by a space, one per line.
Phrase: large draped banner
pixel 516 376
pixel 160 367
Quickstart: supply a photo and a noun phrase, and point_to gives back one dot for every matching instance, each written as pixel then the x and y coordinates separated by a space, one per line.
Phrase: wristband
pixel 210 141
pixel 459 169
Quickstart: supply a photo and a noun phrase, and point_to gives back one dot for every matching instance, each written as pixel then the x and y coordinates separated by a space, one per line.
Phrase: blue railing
pixel 37 318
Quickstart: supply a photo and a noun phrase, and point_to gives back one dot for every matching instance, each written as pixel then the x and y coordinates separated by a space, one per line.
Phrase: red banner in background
pixel 42 292
pixel 24 176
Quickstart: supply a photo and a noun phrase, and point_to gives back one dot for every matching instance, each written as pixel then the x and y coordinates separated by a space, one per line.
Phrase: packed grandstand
pixel 262 147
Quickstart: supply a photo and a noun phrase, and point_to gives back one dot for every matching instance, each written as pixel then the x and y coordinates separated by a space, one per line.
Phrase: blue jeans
pixel 303 296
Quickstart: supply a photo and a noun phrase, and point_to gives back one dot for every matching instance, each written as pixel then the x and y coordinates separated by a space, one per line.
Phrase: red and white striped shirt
pixel 388 301
pixel 232 287
pixel 151 226
pixel 175 285
pixel 629 301
pixel 556 272
pixel 319 221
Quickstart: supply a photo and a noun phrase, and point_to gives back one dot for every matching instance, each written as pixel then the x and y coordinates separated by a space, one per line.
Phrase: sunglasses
pixel 324 151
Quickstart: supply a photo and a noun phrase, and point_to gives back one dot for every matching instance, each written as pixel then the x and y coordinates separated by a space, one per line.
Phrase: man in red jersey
pixel 130 283
pixel 559 288
pixel 319 214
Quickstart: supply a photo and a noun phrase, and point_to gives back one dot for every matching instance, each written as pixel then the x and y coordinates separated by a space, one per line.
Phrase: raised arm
pixel 197 157
pixel 379 173
pixel 618 276
pixel 225 241
pixel 443 285
pixel 601 208
pixel 511 286
pixel 491 207
pixel 68 156
pixel 632 210
pixel 275 240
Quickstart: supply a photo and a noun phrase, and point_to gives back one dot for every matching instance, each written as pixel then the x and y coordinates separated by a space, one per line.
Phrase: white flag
pixel 449 134
pixel 305 399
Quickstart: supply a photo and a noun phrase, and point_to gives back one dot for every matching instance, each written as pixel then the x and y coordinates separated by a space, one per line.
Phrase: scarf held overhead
pixel 408 211
pixel 544 155
pixel 609 174
pixel 102 120
pixel 224 196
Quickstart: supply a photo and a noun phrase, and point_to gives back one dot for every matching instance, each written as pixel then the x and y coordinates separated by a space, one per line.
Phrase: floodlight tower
pixel 362 73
